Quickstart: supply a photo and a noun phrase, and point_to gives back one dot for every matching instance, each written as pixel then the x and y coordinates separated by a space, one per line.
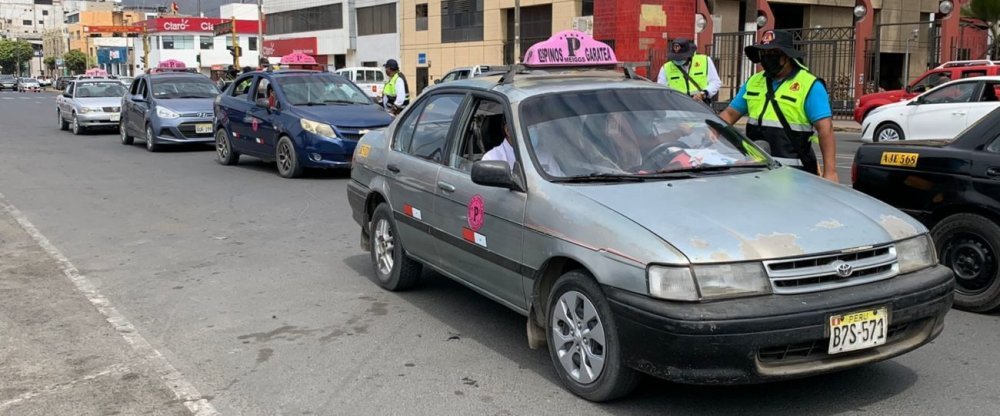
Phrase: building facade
pixel 29 19
pixel 192 40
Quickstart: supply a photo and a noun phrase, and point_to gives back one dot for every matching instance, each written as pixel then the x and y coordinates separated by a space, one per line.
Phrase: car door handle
pixel 993 172
pixel 392 168
pixel 447 187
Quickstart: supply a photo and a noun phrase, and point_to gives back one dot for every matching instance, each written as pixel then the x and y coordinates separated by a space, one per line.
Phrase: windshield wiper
pixel 311 103
pixel 712 168
pixel 341 102
pixel 601 177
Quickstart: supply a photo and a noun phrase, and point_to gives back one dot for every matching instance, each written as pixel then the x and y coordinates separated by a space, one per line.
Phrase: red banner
pixel 112 29
pixel 195 24
pixel 282 47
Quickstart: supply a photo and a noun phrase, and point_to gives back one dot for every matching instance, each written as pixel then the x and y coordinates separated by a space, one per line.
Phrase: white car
pixel 369 79
pixel 940 113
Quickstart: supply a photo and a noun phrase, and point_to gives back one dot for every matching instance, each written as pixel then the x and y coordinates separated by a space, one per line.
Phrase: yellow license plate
pixel 906 160
pixel 858 330
pixel 363 150
pixel 203 128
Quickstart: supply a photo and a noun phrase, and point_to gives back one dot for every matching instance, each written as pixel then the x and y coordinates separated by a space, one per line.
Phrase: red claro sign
pixel 195 24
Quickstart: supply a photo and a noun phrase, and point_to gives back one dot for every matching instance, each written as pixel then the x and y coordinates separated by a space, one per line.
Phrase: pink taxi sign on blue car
pixel 570 48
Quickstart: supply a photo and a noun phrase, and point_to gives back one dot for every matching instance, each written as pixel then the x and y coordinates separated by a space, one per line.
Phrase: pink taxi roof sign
pixel 172 64
pixel 570 48
pixel 298 58
pixel 96 72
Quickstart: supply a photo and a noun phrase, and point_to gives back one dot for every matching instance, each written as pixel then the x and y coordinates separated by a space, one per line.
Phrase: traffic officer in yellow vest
pixel 787 107
pixel 690 73
pixel 396 91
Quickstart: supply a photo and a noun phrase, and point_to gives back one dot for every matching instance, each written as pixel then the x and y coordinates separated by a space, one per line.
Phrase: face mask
pixel 772 64
pixel 680 63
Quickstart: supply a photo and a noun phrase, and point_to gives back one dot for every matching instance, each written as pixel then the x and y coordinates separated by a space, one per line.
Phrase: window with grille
pixel 422 16
pixel 178 42
pixel 377 20
pixel 461 21
pixel 325 17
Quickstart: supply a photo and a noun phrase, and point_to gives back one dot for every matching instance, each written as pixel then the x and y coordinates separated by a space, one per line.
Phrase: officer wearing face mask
pixel 690 73
pixel 787 106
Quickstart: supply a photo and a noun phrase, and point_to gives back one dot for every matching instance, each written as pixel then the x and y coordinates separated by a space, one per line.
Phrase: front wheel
pixel 288 160
pixel 394 270
pixel 225 154
pixel 74 125
pixel 150 140
pixel 889 132
pixel 969 244
pixel 126 139
pixel 583 340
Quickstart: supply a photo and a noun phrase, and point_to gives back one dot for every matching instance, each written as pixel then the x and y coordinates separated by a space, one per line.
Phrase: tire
pixel 286 159
pixel 579 290
pixel 75 127
pixel 123 132
pixel 151 145
pixel 63 125
pixel 224 149
pixel 969 244
pixel 394 270
pixel 892 131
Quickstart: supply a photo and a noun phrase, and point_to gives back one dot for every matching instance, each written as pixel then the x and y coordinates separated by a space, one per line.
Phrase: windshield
pixel 104 89
pixel 184 87
pixel 631 132
pixel 29 81
pixel 320 89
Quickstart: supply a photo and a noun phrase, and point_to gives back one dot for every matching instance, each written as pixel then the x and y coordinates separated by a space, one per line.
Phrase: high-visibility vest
pixel 389 89
pixel 698 71
pixel 792 147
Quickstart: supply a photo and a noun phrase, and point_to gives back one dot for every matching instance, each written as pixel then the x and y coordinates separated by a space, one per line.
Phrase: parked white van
pixel 369 79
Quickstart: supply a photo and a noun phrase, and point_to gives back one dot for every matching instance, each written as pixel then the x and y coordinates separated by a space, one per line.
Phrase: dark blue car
pixel 300 119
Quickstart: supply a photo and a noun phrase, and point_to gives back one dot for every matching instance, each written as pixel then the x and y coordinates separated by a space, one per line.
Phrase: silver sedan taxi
pixel 89 104
pixel 637 232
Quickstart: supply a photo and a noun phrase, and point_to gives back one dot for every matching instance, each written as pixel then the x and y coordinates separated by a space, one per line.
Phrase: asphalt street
pixel 254 289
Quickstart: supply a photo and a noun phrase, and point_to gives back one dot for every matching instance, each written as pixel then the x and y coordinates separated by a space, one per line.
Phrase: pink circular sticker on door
pixel 477 212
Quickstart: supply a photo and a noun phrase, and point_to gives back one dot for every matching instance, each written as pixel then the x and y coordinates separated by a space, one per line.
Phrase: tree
pixel 76 61
pixel 14 54
pixel 50 64
pixel 989 12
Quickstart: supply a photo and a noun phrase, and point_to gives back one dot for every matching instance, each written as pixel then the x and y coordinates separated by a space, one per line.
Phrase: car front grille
pixel 111 109
pixel 831 271
pixel 817 349
pixel 188 130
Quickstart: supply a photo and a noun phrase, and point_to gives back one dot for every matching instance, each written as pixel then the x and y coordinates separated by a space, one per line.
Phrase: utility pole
pixel 236 46
pixel 517 31
pixel 260 31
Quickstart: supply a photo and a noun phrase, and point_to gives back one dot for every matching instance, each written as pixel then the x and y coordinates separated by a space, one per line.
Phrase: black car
pixel 953 187
pixel 8 82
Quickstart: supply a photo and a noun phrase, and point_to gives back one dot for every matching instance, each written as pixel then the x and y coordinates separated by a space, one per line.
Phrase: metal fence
pixel 924 52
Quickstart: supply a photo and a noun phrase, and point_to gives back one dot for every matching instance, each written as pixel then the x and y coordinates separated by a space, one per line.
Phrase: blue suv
pixel 299 119
pixel 168 107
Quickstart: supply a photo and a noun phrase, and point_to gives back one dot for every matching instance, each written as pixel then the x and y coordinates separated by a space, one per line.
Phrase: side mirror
pixel 495 173
pixel 437 81
pixel 67 95
pixel 138 98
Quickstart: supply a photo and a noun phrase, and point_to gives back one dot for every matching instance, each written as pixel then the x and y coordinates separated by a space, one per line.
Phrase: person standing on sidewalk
pixel 787 107
pixel 396 91
pixel 690 73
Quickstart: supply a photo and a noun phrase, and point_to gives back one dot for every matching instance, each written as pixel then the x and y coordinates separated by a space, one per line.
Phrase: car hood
pixel 99 101
pixel 892 95
pixel 755 216
pixel 346 115
pixel 188 105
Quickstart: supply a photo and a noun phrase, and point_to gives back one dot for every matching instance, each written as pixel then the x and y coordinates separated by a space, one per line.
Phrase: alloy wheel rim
pixel 888 135
pixel 222 146
pixel 59 119
pixel 121 131
pixel 75 125
pixel 384 246
pixel 284 157
pixel 149 138
pixel 972 259
pixel 578 334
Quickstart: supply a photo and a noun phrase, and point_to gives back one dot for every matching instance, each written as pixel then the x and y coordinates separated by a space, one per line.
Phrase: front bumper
pixel 185 130
pixel 98 119
pixel 324 153
pixel 753 340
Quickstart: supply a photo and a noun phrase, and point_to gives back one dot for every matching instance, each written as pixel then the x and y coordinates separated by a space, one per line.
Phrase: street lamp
pixel 700 23
pixel 860 11
pixel 906 65
pixel 946 7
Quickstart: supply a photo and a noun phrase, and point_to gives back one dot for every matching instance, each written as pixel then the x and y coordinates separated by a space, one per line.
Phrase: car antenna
pixel 630 67
pixel 508 78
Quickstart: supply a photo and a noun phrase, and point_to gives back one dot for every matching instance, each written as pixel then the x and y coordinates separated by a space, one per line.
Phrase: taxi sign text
pixel 570 48
pixel 908 160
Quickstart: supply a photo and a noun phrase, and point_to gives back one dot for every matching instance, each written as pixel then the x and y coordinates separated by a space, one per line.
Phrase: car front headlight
pixel 708 282
pixel 317 128
pixel 916 253
pixel 163 112
pixel 85 110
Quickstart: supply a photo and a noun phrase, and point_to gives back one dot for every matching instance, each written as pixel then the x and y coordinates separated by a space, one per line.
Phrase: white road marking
pixel 183 390
pixel 114 369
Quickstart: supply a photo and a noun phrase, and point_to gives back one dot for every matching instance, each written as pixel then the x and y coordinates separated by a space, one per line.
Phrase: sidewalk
pixel 58 354
pixel 846 126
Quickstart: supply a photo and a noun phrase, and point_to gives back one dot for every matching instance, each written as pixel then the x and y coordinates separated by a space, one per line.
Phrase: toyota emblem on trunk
pixel 844 269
